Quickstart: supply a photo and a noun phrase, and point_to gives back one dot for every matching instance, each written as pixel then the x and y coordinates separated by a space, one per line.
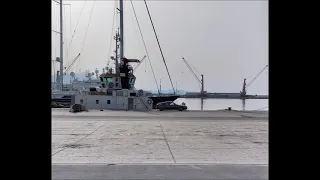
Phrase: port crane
pixel 245 86
pixel 142 59
pixel 200 81
pixel 71 64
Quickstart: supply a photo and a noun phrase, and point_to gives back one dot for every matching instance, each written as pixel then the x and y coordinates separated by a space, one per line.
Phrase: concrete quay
pixel 159 145
pixel 64 114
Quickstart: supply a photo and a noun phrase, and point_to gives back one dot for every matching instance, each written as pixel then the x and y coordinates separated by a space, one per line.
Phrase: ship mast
pixel 121 31
pixel 61 48
pixel 116 51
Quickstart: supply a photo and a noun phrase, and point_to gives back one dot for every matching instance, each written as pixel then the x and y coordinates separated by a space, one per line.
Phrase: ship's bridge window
pixel 132 80
pixel 109 80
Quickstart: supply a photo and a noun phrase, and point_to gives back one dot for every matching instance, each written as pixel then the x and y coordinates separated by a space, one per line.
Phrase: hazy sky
pixel 225 40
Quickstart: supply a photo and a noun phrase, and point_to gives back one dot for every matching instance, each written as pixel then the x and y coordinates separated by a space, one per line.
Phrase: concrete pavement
pixel 64 114
pixel 178 142
pixel 129 171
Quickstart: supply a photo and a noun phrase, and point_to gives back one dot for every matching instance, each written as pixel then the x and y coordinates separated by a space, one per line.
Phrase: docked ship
pixel 119 80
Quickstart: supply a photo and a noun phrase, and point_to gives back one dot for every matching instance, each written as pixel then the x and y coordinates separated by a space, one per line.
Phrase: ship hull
pixel 156 99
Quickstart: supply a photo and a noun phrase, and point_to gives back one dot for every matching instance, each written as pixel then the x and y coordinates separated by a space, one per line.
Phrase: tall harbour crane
pixel 200 81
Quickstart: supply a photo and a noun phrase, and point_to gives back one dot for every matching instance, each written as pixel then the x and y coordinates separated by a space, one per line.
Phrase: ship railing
pixel 144 105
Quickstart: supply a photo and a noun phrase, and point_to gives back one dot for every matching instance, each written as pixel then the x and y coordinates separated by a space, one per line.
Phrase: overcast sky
pixel 227 41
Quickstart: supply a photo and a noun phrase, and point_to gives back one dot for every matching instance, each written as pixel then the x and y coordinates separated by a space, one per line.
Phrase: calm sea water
pixel 218 104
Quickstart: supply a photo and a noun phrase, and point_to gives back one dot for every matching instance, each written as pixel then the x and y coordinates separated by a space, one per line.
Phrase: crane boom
pixel 191 70
pixel 201 82
pixel 74 60
pixel 143 58
pixel 257 76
